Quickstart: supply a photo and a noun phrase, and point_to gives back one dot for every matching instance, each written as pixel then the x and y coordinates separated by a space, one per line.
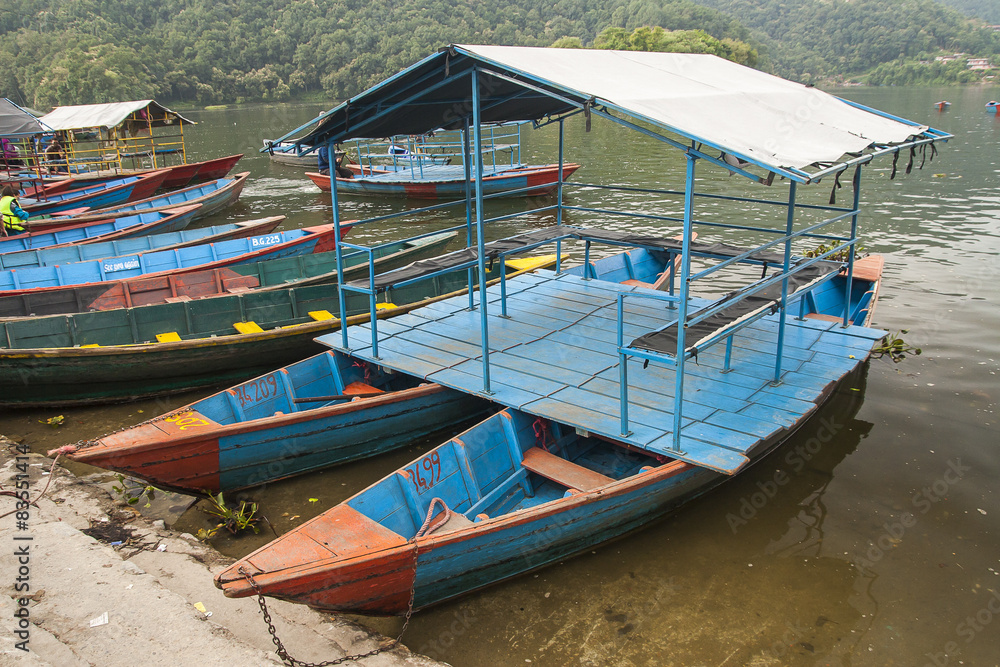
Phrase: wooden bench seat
pixel 561 471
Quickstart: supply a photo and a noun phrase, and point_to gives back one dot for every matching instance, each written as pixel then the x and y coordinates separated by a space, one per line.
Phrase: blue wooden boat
pixel 992 106
pixel 264 430
pixel 129 353
pixel 519 491
pixel 620 401
pixel 110 193
pixel 439 181
pixel 212 196
pixel 100 231
pixel 69 253
pixel 212 255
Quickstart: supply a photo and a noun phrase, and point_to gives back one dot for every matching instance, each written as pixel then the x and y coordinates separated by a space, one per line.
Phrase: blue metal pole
pixel 480 236
pixel 559 195
pixel 729 355
pixel 622 368
pixel 783 313
pixel 342 299
pixel 854 234
pixel 682 306
pixel 467 159
pixel 586 261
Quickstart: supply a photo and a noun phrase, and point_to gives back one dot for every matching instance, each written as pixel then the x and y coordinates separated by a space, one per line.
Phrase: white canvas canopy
pixel 108 116
pixel 750 113
pixel 780 125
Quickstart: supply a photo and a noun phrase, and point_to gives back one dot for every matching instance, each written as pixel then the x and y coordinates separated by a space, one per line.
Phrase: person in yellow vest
pixel 14 217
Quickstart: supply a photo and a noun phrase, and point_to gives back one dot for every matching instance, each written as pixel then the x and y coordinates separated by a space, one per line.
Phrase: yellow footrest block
pixel 169 337
pixel 247 327
pixel 320 315
pixel 385 306
pixel 91 345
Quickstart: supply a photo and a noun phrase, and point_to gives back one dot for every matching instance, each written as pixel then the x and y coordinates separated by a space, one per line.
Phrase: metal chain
pixel 83 444
pixel 283 652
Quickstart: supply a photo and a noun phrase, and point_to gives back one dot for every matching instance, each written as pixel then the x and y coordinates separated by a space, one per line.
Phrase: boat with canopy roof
pixel 619 402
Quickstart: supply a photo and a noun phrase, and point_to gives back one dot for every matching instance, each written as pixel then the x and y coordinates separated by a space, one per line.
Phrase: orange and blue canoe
pixel 445 181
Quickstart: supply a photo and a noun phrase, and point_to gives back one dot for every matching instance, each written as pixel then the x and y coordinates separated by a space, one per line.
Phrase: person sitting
pixel 324 163
pixel 14 218
pixel 55 157
pixel 11 156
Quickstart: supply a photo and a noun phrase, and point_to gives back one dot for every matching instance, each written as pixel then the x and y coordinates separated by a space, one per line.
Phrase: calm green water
pixel 881 547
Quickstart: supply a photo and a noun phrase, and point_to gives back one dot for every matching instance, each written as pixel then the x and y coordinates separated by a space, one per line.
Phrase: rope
pixel 58 452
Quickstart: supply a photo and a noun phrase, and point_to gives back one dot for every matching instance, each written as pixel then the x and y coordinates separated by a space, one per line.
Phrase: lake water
pixel 879 546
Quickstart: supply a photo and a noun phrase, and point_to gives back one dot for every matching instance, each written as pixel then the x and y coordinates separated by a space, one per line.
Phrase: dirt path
pixel 75 598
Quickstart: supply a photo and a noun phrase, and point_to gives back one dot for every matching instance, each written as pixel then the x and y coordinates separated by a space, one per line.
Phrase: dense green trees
pixel 203 51
pixel 214 51
pixel 676 41
pixel 810 39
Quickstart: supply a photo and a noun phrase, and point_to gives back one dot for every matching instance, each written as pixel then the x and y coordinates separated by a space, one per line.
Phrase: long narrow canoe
pixel 514 493
pixel 213 197
pixel 283 273
pixel 182 260
pixel 256 432
pixel 99 231
pixel 199 172
pixel 169 240
pixel 177 176
pixel 129 353
pixel 114 192
pixel 444 181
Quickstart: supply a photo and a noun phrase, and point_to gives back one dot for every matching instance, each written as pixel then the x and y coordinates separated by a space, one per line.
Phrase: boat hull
pixel 118 194
pixel 206 456
pixel 211 201
pixel 542 181
pixel 199 172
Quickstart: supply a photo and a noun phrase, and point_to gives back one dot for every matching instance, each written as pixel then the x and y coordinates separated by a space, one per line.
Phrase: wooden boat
pixel 124 354
pixel 438 181
pixel 285 153
pixel 182 175
pixel 175 262
pixel 214 453
pixel 118 191
pixel 68 253
pixel 992 106
pixel 514 493
pixel 256 432
pixel 99 231
pixel 942 105
pixel 213 196
pixel 282 273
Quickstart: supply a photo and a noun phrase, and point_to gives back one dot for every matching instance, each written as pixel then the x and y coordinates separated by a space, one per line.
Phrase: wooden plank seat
pixel 561 471
pixel 824 317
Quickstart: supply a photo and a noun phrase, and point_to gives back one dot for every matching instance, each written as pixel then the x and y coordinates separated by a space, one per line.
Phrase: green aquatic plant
pixel 894 346
pixel 234 520
pixel 133 493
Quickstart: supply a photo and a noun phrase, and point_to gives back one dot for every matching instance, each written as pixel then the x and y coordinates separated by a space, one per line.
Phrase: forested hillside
pixel 988 10
pixel 209 51
pixel 822 38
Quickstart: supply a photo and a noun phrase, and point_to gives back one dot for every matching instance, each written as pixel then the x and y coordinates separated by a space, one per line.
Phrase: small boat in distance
pixel 441 181
pixel 942 105
pixel 991 106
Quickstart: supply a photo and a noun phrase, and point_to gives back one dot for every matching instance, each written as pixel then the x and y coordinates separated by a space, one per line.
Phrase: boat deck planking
pixel 556 357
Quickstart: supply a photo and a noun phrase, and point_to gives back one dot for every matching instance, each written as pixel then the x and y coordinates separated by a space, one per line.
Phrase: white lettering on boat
pixel 130 263
pixel 270 239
